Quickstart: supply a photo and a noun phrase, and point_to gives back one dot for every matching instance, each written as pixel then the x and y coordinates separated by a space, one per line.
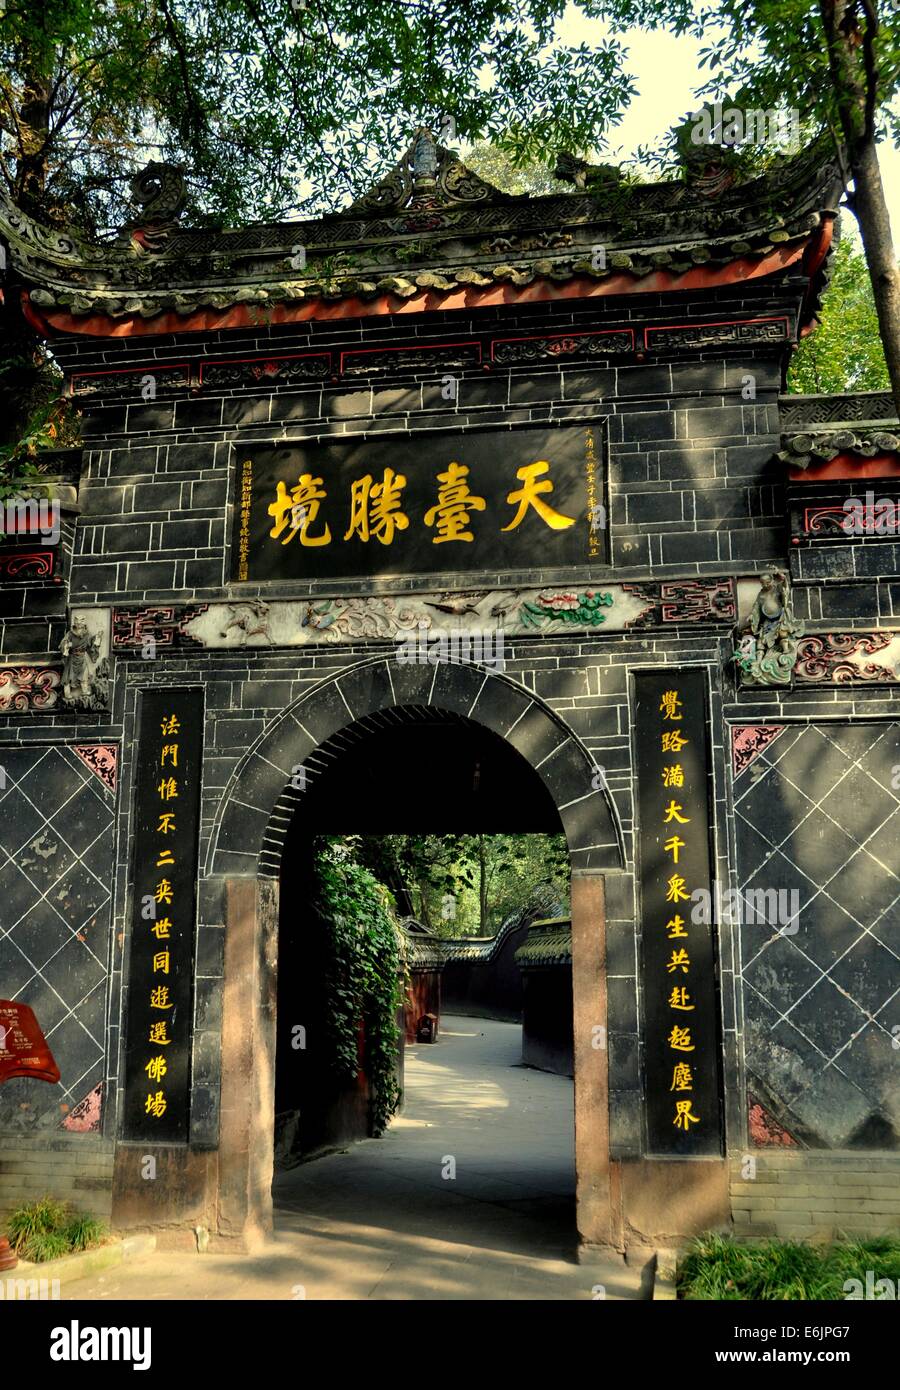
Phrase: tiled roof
pixel 800 450
pixel 430 229
pixel 548 943
pixel 421 950
pixel 482 948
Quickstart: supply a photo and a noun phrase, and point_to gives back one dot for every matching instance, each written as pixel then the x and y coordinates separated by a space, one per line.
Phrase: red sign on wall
pixel 23 1047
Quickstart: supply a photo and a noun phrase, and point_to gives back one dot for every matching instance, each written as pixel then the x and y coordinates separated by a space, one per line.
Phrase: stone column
pixel 598 1215
pixel 246 1132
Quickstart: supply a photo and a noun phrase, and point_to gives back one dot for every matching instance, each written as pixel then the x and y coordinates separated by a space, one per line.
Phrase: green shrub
pixel 45 1245
pixel 48 1229
pixel 84 1231
pixel 362 974
pixel 43 1217
pixel 717 1267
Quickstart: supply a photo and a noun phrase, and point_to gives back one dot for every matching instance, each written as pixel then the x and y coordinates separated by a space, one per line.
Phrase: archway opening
pixel 481 1120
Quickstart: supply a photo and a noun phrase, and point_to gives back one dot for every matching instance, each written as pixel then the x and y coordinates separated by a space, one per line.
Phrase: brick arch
pixel 259 802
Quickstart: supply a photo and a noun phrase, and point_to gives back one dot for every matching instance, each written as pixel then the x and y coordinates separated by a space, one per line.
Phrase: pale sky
pixel 667 73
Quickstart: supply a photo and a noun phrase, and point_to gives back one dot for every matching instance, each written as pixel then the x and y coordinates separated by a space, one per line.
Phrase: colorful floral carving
pixel 568 608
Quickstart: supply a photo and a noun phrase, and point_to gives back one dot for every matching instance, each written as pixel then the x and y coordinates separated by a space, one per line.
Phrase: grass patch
pixel 719 1268
pixel 48 1229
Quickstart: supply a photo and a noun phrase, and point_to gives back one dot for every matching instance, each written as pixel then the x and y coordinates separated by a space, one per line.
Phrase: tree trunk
pixel 850 28
pixel 34 126
pixel 482 888
pixel 424 911
pixel 870 209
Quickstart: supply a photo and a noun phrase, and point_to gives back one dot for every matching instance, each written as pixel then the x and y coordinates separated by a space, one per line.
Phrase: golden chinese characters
pixel 296 512
pixel 676 838
pixel 375 507
pixel 450 515
pixel 529 495
pixel 378 508
pixel 162 852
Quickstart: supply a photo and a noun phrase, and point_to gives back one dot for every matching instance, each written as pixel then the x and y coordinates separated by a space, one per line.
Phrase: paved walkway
pixel 386 1220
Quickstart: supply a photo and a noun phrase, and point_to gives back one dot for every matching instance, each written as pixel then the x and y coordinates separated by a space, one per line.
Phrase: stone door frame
pixel 244 857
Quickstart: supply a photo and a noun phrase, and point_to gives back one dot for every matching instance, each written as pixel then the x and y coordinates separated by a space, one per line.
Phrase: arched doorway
pixel 246 853
pixel 422 775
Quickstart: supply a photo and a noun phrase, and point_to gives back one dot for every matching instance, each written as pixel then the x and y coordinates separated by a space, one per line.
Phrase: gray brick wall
pixel 693 489
pixel 74 1168
pixel 810 1196
pixel 690 482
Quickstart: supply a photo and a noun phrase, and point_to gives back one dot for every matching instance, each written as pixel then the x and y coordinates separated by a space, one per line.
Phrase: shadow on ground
pixel 469 1195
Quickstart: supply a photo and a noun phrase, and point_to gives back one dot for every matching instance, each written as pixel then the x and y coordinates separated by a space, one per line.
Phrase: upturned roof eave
pixel 261 309
pixel 511 241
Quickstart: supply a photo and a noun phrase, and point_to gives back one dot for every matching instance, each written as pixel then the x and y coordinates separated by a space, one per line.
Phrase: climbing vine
pixel 362 974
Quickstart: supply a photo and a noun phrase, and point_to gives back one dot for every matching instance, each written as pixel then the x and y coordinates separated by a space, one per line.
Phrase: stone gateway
pixel 449 420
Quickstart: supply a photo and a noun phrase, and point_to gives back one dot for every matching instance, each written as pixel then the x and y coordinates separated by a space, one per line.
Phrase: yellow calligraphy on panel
pixel 684 1116
pixel 375 507
pixel 669 705
pixel 682 1077
pixel 296 511
pixel 529 495
pixel 450 515
pixel 680 1039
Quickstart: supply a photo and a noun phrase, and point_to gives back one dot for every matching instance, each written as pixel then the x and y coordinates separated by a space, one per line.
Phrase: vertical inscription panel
pixel 682 1068
pixel 164 875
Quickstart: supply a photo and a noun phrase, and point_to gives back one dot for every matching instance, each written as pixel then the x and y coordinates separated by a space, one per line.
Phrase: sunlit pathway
pixel 386 1220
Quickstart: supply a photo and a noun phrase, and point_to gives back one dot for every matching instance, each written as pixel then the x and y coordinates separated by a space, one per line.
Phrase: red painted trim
pixel 813 259
pixel 870 517
pixel 557 337
pixel 466 298
pixel 819 245
pixel 847 466
pixel 17 554
pixel 36 320
pixel 148 368
pixel 268 357
pixel 714 323
pixel 406 347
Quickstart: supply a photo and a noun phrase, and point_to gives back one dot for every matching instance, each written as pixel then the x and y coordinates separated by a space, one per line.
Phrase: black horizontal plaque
pixel 680 1017
pixel 419 504
pixel 166 823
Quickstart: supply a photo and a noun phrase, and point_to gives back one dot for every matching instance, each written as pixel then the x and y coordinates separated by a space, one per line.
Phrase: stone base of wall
pixel 665 1202
pixel 816 1196
pixel 76 1169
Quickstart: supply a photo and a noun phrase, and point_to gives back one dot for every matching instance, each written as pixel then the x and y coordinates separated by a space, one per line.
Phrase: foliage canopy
pixel 277 107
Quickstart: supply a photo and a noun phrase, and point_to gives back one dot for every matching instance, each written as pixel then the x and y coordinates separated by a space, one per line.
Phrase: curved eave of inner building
pixel 744 268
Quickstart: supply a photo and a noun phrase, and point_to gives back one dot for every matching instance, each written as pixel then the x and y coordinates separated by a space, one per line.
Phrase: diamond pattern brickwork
pixel 817 814
pixel 56 862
